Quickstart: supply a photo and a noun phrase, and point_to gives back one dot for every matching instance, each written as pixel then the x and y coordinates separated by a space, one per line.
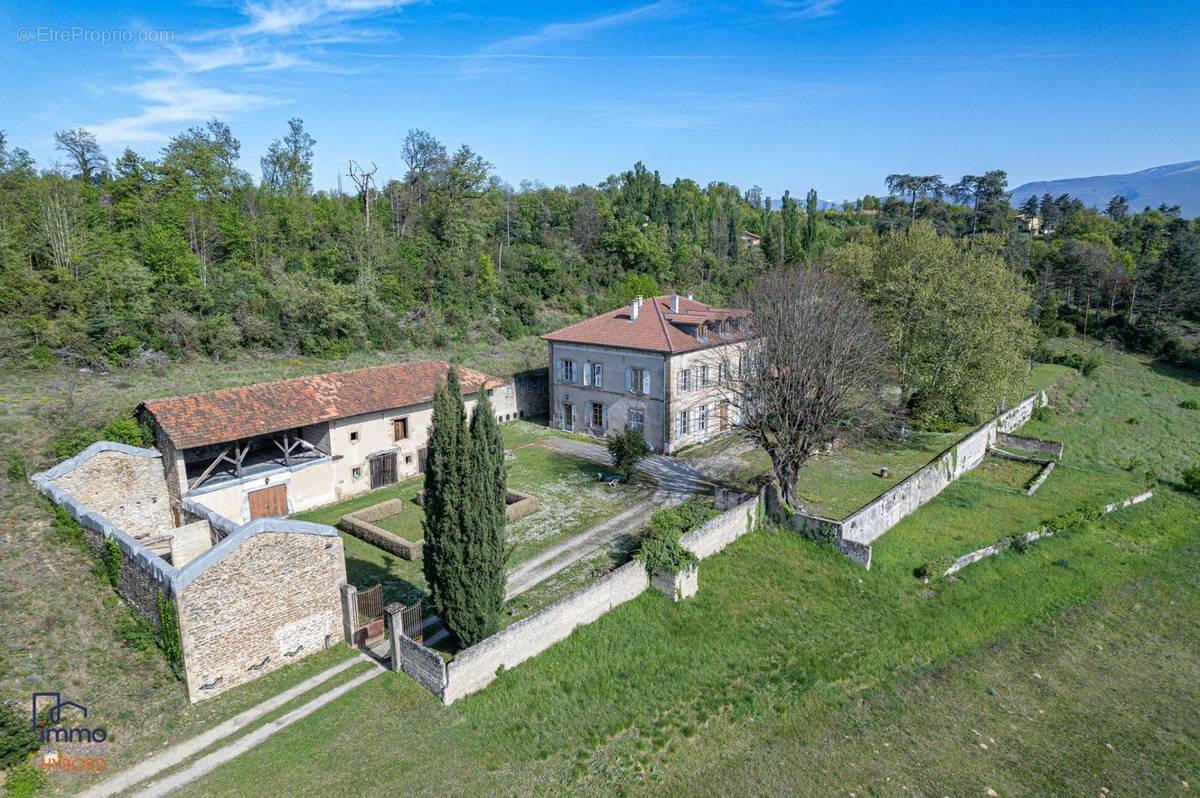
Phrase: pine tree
pixel 465 491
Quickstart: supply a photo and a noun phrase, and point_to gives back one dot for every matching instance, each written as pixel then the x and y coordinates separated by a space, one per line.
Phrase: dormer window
pixel 702 332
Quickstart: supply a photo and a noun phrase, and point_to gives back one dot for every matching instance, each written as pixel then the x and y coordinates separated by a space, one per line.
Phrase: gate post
pixel 349 595
pixel 395 627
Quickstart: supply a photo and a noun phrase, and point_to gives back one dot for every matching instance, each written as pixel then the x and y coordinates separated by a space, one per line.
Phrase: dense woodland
pixel 105 258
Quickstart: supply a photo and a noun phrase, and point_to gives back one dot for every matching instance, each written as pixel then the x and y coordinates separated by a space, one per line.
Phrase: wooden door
pixel 269 502
pixel 383 470
pixel 422 456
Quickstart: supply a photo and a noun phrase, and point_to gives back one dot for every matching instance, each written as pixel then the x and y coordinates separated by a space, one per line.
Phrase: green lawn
pixel 1060 671
pixel 571 501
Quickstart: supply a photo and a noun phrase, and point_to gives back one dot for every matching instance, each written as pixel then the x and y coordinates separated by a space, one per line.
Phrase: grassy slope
pixel 794 671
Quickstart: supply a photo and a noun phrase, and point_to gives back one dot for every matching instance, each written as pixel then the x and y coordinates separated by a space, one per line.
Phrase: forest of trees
pixel 102 258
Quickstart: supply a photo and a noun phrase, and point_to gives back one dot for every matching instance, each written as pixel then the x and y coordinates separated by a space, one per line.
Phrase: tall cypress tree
pixel 465 489
pixel 483 524
pixel 443 561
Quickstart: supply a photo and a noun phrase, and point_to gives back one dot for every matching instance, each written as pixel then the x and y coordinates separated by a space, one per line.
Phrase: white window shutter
pixel 604 416
pixel 599 380
pixel 645 380
pixel 587 373
pixel 628 378
pixel 558 370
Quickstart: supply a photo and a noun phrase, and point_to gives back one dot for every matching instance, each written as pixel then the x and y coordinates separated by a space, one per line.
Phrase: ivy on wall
pixel 169 638
pixel 110 563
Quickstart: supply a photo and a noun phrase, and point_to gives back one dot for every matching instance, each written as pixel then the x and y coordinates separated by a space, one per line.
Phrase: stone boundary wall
pixel 1040 478
pixel 360 525
pixel 418 661
pixel 474 668
pixel 854 534
pixel 709 538
pixel 1037 534
pixel 1028 443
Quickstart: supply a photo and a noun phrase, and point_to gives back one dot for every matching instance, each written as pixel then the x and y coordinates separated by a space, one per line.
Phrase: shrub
pixel 121 348
pixel 135 632
pixel 1042 413
pixel 16 467
pixel 662 552
pixel 1076 517
pixel 123 429
pixel 1191 479
pixel 1018 542
pixel 65 527
pixel 24 781
pixel 17 739
pixel 627 448
pixel 660 549
pixel 1190 404
pixel 935 568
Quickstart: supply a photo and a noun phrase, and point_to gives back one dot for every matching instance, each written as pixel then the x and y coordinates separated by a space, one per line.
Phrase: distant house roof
pixel 657 327
pixel 227 415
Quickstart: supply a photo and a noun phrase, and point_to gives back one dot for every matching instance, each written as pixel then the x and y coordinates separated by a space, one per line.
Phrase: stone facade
pixel 1030 444
pixel 687 383
pixel 271 600
pixel 677 585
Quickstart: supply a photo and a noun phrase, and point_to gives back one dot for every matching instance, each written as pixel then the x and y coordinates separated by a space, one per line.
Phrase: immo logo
pixel 69 743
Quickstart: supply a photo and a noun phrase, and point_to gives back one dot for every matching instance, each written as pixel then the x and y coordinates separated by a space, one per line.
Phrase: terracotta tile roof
pixel 656 329
pixel 221 416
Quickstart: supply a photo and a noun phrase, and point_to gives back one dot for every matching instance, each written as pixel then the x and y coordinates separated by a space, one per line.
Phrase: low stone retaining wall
pixel 709 538
pixel 1045 466
pixel 1028 443
pixel 1037 534
pixel 519 505
pixel 474 668
pixel 361 525
pixel 854 534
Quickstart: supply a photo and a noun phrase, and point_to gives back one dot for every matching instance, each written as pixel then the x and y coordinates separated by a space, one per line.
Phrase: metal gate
pixel 383 470
pixel 370 614
pixel 412 624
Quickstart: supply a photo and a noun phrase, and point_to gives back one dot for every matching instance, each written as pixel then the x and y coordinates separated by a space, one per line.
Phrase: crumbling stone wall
pixel 272 599
pixel 532 389
pixel 128 490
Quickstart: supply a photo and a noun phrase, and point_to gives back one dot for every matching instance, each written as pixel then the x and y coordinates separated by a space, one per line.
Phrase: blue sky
pixel 832 94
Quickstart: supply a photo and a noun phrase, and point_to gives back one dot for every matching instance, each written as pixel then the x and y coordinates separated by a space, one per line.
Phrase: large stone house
pixel 660 365
pixel 277 448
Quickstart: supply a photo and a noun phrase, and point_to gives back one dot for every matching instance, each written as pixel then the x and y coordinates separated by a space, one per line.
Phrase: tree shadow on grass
pixel 367 573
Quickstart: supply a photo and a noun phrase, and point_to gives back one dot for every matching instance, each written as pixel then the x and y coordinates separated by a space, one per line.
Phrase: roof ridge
pixel 283 380
pixel 663 323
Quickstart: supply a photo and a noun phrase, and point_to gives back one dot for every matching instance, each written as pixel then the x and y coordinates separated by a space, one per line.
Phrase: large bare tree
pixel 815 372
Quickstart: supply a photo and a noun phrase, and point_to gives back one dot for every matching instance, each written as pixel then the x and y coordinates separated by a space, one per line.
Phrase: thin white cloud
pixel 566 31
pixel 289 16
pixel 806 9
pixel 183 86
pixel 172 101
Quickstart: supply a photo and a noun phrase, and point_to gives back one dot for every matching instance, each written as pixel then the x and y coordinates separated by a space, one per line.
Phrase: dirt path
pixel 210 762
pixel 152 766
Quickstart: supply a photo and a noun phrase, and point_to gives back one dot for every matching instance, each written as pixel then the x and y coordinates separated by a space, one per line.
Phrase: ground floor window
pixel 681 424
pixel 637 419
pixel 568 416
pixel 702 420
pixel 597 414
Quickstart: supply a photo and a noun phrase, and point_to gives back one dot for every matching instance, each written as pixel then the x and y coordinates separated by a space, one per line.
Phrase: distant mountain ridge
pixel 1174 184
